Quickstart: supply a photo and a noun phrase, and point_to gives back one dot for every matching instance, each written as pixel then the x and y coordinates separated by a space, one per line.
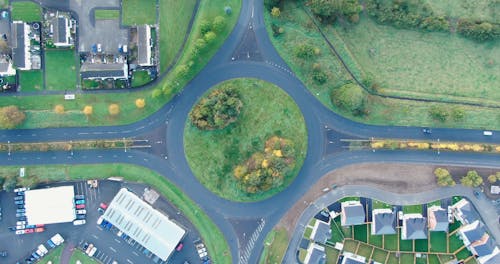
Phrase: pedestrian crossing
pixel 247 251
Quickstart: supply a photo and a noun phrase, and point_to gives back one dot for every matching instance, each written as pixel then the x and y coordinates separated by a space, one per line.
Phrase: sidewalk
pixel 67 252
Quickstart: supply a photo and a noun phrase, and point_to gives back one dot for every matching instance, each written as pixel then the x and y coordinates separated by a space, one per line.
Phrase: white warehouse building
pixel 50 205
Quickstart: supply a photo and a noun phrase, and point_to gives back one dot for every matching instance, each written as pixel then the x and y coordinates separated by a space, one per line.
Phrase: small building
pixel 414 227
pixel 20 43
pixel 321 232
pixel 464 212
pixel 103 71
pixel 61 31
pixel 6 67
pixel 50 205
pixel 495 189
pixel 315 254
pixel 384 222
pixel 353 213
pixel 479 242
pixel 144 46
pixel 350 258
pixel 437 218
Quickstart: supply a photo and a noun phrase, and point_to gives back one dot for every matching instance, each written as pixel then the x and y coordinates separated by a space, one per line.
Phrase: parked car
pixel 179 247
pixel 83 211
pixel 19 232
pixel 80 202
pixel 30 226
pixel 3 253
pixel 20 206
pixel 39 225
pixel 20 222
pixel 20 193
pixel 39 229
pixel 19 202
pixel 51 244
pixel 20 214
pixel 80 206
pixel 89 249
pixel 99 220
pixel 19 227
pixel 22 218
pixel 21 210
pixel 427 130
pixel 12 228
pixel 35 255
pixel 103 206
pixel 120 233
pixel 79 222
pixel 79 196
pixel 92 251
pixel 29 230
pixel 85 246
pixel 108 226
pixel 22 189
pixel 18 198
pixel 100 210
pixel 79 216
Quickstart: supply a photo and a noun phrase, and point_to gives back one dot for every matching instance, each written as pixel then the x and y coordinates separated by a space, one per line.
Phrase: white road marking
pixel 112 249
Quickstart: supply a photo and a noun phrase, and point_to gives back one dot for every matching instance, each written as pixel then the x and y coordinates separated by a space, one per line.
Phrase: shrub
pixel 219 23
pixel 205 26
pixel 350 97
pixel 275 12
pixel 479 30
pixel 319 76
pixel 217 110
pixel 88 110
pixel 140 103
pixel 472 179
pixel 444 177
pixel 438 113
pixel 59 109
pixel 11 116
pixel 114 109
pixel 209 36
pixel 304 51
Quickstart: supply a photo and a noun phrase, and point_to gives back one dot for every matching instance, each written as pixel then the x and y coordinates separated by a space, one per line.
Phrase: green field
pixel 391 242
pixel 275 246
pixel 299 29
pixel 360 233
pixel 139 12
pixel 438 242
pixel 60 70
pixel 332 254
pixel 454 243
pixel 337 235
pixel 379 255
pixel 104 14
pixel 140 78
pixel 211 235
pixel 380 205
pixel 26 11
pixel 421 245
pixel 365 250
pixel 484 10
pixel 266 111
pixel 30 80
pixel 173 24
pixel 82 257
pixel 412 209
pixel 54 255
pixel 405 245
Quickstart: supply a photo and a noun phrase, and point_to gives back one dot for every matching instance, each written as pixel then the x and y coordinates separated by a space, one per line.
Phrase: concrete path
pixel 67 252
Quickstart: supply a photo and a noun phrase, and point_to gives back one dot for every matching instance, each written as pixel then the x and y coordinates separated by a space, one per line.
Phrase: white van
pixel 79 222
pixel 487 133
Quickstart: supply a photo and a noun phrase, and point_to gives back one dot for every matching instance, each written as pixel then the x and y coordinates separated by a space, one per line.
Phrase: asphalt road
pixel 249 37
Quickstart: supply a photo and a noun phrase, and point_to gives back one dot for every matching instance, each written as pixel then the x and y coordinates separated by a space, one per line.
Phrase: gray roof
pixel 384 223
pixel 493 260
pixel 60 30
pixel 143 45
pixel 469 213
pixel 323 232
pixel 354 214
pixel 103 70
pixel 4 66
pixel 18 48
pixel 441 219
pixel 416 228
pixel 317 257
pixel 351 261
pixel 476 233
pixel 485 248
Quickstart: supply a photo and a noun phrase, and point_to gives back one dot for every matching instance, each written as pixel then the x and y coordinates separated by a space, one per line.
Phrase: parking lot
pixel 110 247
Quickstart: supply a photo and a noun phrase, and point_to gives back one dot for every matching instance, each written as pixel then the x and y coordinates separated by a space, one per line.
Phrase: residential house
pixel 61 31
pixel 321 232
pixel 353 213
pixel 414 227
pixel 20 43
pixel 144 46
pixel 437 218
pixel 464 212
pixel 315 254
pixel 478 242
pixel 384 222
pixel 103 71
pixel 350 258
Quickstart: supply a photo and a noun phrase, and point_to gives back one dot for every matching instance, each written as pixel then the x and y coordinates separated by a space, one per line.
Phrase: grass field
pixel 375 240
pixel 275 246
pixel 463 254
pixel 405 245
pixel 379 255
pixel 380 205
pixel 298 28
pixel 350 245
pixel 266 111
pixel 82 257
pixel 421 245
pixel 477 10
pixel 173 26
pixel 140 78
pixel 215 242
pixel 360 233
pixel 365 250
pixel 30 80
pixel 138 12
pixel 438 242
pixel 103 14
pixel 54 255
pixel 391 242
pixel 454 243
pixel 60 70
pixel 412 209
pixel 337 235
pixel 26 11
pixel 332 254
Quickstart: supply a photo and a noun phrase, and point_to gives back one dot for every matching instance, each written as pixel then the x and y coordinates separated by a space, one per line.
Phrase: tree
pixel 140 103
pixel 219 23
pixel 59 109
pixel 205 26
pixel 492 178
pixel 114 109
pixel 209 36
pixel 11 116
pixel 200 44
pixel 438 113
pixel 88 110
pixel 350 97
pixel 217 110
pixel 444 177
pixel 304 51
pixel 472 179
pixel 275 12
pixel 457 114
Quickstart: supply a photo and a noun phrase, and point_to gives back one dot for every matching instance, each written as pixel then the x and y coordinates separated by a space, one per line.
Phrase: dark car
pixel 20 206
pixel 85 246
pixel 80 216
pixel 3 253
pixel 21 210
pixel 79 196
pixel 427 130
pixel 20 215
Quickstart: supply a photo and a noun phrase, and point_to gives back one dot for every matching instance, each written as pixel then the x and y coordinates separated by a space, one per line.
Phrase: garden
pixel 60 70
pixel 245 140
pixel 26 11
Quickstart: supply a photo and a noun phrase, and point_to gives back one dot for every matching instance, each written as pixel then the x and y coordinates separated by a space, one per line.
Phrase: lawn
pixel 433 259
pixel 266 111
pixel 365 250
pixel 139 12
pixel 375 240
pixel 350 245
pixel 140 78
pixel 60 70
pixel 26 11
pixel 412 209
pixel 454 243
pixel 30 80
pixel 392 259
pixel 380 205
pixel 346 230
pixel 407 258
pixel 54 255
pixel 360 233
pixel 379 255
pixel 476 10
pixel 421 245
pixel 105 14
pixel 332 255
pixel 337 235
pixel 275 246
pixel 438 242
pixel 298 29
pixel 80 256
pixel 307 232
pixel 463 254
pixel 391 242
pixel 454 226
pixel 405 245
pixel 213 238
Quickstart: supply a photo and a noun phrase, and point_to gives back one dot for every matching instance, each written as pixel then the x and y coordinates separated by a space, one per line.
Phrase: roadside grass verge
pixel 139 12
pixel 275 246
pixel 299 29
pixel 26 11
pixel 54 255
pixel 60 70
pixel 412 209
pixel 267 111
pixel 30 81
pixel 174 24
pixel 81 257
pixel 103 14
pixel 212 237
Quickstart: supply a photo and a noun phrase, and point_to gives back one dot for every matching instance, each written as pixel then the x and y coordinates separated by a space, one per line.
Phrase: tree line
pixel 471 179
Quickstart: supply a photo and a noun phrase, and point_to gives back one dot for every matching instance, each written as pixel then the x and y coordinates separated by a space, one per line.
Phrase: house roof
pixel 348 260
pixel 315 254
pixel 60 23
pixel 473 231
pixel 485 246
pixel 495 259
pixel 104 70
pixel 321 232
pixel 468 213
pixel 18 45
pixel 144 45
pixel 414 227
pixel 384 222
pixel 438 219
pixel 353 213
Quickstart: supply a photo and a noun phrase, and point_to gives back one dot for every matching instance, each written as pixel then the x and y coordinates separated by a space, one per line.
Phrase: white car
pixel 19 232
pixel 400 215
pixel 100 219
pixel 43 249
pixel 91 246
pixel 20 223
pixel 79 222
pixel 92 251
pixel 81 211
pixel 120 233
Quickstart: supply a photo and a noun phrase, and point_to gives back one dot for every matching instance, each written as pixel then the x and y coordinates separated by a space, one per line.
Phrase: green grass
pixel 412 209
pixel 80 256
pixel 380 205
pixel 54 255
pixel 476 10
pixel 445 258
pixel 454 226
pixel 30 80
pixel 438 242
pixel 405 245
pixel 454 243
pixel 302 254
pixel 433 259
pixel 392 259
pixel 106 14
pixel 407 258
pixel 275 246
pixel 421 245
pixel 266 111
pixel 346 230
pixel 360 233
pixel 375 240
pixel 139 12
pixel 463 254
pixel 434 203
pixel 379 255
pixel 307 232
pixel 140 78
pixel 174 24
pixel 60 70
pixel 337 235
pixel 298 28
pixel 365 250
pixel 349 198
pixel 332 254
pixel 350 245
pixel 26 11
pixel 391 242
pixel 211 235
